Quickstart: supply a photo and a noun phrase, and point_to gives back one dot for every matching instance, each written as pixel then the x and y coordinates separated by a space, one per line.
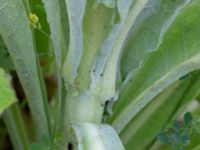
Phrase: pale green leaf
pixel 7 94
pixel 76 9
pixel 16 33
pixel 53 10
pixel 96 26
pixel 106 65
pixel 96 137
pixel 147 33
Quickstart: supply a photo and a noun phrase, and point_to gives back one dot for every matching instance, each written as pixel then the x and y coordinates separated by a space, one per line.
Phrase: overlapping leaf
pixel 147 33
pixel 177 55
pixel 16 33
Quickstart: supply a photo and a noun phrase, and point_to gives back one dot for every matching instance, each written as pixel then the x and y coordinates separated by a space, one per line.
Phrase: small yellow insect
pixel 34 21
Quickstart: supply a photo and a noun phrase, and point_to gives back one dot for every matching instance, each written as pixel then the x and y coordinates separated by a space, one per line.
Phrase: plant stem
pixel 59 106
pixel 16 129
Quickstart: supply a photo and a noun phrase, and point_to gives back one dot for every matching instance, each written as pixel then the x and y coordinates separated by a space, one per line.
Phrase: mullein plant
pixel 124 69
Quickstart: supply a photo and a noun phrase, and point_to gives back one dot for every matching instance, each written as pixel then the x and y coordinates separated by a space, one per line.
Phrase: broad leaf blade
pixel 147 33
pixel 7 95
pixel 178 55
pixel 16 33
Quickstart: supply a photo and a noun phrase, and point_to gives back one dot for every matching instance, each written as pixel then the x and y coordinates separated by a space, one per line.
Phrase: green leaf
pixel 7 94
pixel 76 9
pixel 147 33
pixel 96 26
pixel 53 11
pixel 153 117
pixel 17 36
pixel 98 137
pixel 106 64
pixel 177 55
pixel 185 93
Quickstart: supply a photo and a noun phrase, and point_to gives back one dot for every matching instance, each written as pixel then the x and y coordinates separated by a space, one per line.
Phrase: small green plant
pixel 179 135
